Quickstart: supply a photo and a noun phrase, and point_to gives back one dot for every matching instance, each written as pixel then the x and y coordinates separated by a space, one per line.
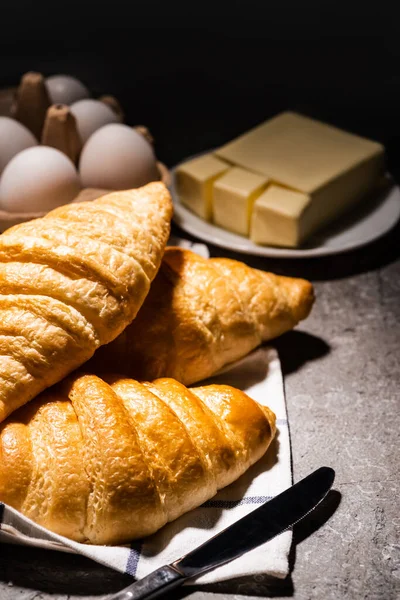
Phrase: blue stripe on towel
pixel 234 503
pixel 133 558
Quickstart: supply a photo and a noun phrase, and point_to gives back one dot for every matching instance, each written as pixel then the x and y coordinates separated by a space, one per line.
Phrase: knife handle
pixel 153 585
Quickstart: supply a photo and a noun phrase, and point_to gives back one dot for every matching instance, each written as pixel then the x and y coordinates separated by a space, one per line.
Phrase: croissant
pixel 106 463
pixel 202 314
pixel 72 281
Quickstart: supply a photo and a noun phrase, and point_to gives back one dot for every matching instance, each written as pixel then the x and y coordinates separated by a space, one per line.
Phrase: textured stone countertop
pixel 342 377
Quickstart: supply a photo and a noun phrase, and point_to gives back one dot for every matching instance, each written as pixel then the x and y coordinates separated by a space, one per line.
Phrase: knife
pixel 259 526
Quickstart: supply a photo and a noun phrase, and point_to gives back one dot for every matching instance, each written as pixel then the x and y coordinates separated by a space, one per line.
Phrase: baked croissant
pixel 105 463
pixel 202 314
pixel 72 281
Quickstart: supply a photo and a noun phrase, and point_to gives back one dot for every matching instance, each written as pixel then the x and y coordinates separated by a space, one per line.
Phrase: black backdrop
pixel 198 74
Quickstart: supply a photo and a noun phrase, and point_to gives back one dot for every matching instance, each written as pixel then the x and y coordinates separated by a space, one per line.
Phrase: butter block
pixel 194 182
pixel 277 217
pixel 334 168
pixel 299 152
pixel 233 197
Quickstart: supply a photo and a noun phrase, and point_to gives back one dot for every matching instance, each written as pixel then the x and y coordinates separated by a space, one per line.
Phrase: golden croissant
pixel 105 463
pixel 202 314
pixel 72 281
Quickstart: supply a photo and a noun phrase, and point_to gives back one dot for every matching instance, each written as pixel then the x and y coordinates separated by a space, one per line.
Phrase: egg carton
pixel 58 113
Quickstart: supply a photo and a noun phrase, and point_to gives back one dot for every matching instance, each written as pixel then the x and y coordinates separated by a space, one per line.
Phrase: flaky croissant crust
pixel 72 281
pixel 202 314
pixel 109 462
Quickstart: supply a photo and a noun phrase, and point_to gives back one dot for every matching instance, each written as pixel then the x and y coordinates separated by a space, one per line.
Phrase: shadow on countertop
pixel 308 347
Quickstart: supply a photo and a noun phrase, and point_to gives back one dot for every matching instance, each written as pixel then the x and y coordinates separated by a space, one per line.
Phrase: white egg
pixel 14 137
pixel 91 115
pixel 38 179
pixel 116 157
pixel 64 89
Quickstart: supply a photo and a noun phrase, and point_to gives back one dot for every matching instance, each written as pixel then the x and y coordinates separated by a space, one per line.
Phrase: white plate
pixel 369 221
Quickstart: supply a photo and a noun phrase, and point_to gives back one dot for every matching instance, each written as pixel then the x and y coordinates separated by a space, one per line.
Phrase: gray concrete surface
pixel 342 375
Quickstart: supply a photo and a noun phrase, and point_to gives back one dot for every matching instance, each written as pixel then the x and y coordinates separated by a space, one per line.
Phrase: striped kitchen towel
pixel 259 374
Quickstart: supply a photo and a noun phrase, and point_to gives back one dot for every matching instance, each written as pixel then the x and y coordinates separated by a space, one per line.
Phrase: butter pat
pixel 277 217
pixel 233 197
pixel 333 168
pixel 194 181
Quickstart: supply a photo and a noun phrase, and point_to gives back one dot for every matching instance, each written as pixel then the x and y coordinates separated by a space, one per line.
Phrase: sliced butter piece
pixel 233 197
pixel 194 182
pixel 277 217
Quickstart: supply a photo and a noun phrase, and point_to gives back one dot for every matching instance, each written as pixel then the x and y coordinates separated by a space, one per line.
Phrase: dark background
pixel 198 74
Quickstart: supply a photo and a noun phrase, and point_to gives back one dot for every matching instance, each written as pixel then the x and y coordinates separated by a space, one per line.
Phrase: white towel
pixel 260 376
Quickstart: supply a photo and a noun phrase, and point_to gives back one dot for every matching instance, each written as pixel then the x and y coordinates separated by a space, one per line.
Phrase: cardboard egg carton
pixel 54 125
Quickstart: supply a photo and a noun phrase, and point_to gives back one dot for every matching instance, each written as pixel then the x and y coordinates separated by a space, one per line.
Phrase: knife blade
pixel 256 528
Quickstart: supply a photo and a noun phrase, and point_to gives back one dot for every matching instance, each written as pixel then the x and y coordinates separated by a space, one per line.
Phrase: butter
pixel 299 152
pixel 233 197
pixel 330 169
pixel 277 217
pixel 194 181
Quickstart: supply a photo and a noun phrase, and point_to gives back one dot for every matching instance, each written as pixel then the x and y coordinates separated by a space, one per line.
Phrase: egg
pixel 117 157
pixel 64 89
pixel 14 137
pixel 90 115
pixel 37 180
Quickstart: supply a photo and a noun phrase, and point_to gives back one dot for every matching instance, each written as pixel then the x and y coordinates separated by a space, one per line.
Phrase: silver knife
pixel 259 526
